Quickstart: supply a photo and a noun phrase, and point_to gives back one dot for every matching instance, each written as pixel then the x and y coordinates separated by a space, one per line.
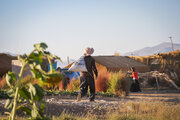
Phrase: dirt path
pixel 102 105
pixel 55 105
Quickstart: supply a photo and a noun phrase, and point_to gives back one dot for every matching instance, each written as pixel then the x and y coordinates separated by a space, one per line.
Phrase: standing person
pixel 87 78
pixel 135 83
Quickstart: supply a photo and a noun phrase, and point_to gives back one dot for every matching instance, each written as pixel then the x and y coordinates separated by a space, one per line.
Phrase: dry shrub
pixel 70 86
pixel 61 86
pixel 102 82
pixel 27 79
pixel 119 83
pixel 73 85
pixel 3 84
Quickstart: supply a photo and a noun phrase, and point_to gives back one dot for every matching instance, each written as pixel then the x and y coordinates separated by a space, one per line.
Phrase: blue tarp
pixel 54 65
pixel 70 74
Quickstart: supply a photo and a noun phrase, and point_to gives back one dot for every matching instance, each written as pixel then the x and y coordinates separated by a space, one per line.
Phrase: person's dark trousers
pixel 135 87
pixel 86 81
pixel 132 88
pixel 138 89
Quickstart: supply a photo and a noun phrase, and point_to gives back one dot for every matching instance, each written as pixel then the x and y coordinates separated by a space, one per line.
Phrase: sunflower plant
pixel 24 97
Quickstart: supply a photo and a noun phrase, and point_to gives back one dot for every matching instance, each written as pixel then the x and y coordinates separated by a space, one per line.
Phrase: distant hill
pixel 9 53
pixel 161 48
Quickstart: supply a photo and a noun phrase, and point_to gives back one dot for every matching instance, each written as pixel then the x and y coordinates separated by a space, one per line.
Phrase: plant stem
pixel 50 63
pixel 16 94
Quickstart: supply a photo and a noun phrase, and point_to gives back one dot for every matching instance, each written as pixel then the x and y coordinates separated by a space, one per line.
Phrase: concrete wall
pixel 16 67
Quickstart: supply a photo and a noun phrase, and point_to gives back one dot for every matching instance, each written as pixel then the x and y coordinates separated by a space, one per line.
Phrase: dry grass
pixel 133 111
pixel 130 110
pixel 150 110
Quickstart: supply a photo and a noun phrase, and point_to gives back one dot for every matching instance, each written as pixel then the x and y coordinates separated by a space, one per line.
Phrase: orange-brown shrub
pixel 26 79
pixel 73 85
pixel 3 83
pixel 70 86
pixel 102 82
pixel 61 86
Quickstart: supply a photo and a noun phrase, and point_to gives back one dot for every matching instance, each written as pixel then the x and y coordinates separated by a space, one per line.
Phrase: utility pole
pixel 132 54
pixel 171 43
pixel 68 60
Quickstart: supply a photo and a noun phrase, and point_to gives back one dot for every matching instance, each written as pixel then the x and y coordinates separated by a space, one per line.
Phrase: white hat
pixel 88 51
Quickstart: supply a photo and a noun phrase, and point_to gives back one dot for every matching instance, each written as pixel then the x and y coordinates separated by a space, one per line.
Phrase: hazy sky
pixel 69 26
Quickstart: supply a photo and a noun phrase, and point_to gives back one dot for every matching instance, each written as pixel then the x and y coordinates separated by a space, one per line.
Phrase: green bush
pixel 119 83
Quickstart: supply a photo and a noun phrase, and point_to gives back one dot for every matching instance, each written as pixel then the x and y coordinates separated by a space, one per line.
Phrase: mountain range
pixel 160 48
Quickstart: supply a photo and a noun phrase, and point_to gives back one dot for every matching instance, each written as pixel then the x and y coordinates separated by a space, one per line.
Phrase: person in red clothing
pixel 135 84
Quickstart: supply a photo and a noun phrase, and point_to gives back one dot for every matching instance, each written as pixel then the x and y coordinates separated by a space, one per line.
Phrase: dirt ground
pixel 55 105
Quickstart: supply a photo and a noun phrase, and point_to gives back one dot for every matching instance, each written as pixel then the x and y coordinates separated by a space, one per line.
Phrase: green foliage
pixel 26 95
pixel 75 85
pixel 119 84
pixel 115 82
pixel 3 94
pixel 10 78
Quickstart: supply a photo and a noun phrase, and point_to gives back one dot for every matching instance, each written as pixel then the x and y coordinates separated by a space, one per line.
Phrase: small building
pixel 10 63
pixel 16 66
pixel 117 63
